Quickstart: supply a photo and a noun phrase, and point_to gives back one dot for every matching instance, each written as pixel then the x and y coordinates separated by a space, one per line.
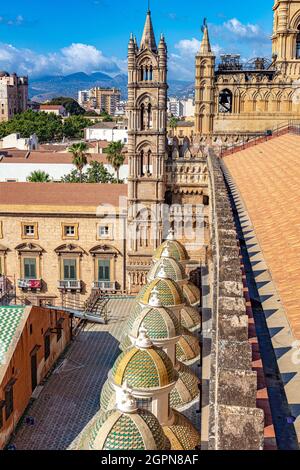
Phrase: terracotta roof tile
pixel 268 177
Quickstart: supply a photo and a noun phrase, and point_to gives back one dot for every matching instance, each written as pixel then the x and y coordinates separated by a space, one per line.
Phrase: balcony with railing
pixel 106 286
pixel 70 285
pixel 30 284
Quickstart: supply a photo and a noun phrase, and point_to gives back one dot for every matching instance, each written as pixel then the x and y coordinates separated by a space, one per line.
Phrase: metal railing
pixel 284 128
pixel 105 285
pixel 71 285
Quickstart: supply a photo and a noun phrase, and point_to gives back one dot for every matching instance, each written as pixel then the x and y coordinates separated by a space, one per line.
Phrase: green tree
pixel 74 125
pixel 71 105
pixel 97 173
pixel 79 156
pixel 74 177
pixel 173 122
pixel 47 127
pixel 38 176
pixel 115 156
pixel 105 116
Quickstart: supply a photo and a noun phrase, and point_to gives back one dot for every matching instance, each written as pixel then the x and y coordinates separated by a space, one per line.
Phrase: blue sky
pixel 65 36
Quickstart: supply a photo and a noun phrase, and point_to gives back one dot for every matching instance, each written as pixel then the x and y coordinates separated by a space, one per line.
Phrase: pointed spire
pixel 148 38
pixel 205 47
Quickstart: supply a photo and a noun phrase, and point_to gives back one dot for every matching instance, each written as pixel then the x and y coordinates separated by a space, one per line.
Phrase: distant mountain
pixel 48 87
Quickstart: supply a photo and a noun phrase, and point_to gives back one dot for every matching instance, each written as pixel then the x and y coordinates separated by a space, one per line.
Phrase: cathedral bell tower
pixel 204 86
pixel 286 37
pixel 147 143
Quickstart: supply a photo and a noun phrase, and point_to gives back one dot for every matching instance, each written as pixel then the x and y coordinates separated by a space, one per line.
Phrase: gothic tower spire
pixel 148 39
pixel 147 137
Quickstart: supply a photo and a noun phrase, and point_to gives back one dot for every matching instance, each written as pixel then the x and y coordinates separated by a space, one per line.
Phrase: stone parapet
pixel 235 421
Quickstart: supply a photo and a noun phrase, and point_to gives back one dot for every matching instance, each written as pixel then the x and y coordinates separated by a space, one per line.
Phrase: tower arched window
pixel 142 163
pixel 225 101
pixel 149 117
pixel 142 117
pixel 149 162
pixel 146 73
pixel 142 73
pixel 298 44
pixel 151 73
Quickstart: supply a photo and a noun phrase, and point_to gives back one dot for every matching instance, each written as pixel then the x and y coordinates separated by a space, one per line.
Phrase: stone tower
pixel 204 87
pixel 286 37
pixel 147 140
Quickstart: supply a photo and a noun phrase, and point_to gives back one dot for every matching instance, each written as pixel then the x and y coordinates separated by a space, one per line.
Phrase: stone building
pixel 13 95
pixel 235 98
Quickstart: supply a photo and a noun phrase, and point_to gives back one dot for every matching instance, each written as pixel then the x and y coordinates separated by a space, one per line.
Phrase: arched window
pixel 298 44
pixel 142 116
pixel 146 73
pixel 151 73
pixel 142 163
pixel 142 73
pixel 149 117
pixel 225 101
pixel 149 163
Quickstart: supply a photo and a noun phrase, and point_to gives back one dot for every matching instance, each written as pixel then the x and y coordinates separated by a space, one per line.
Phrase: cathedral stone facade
pixel 264 94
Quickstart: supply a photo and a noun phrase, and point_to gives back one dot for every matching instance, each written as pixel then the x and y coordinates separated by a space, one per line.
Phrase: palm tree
pixel 39 176
pixel 79 156
pixel 173 122
pixel 115 156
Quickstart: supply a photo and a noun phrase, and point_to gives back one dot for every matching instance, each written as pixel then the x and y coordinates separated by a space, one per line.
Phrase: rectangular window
pixel 103 270
pixel 104 231
pixel 47 346
pixel 30 268
pixel 70 272
pixel 9 402
pixel 69 230
pixel 29 230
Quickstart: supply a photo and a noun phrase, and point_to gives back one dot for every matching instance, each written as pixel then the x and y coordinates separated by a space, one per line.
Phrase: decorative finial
pixel 204 25
pixel 154 300
pixel 170 235
pixel 125 401
pixel 143 341
pixel 162 274
pixel 166 251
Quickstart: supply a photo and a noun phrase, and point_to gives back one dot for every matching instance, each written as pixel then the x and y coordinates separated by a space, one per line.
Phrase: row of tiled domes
pixel 158 337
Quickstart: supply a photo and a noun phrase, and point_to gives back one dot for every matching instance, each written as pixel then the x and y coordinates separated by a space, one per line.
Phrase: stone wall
pixel 234 422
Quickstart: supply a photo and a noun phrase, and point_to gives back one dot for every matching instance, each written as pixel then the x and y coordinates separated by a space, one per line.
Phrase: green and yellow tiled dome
pixel 144 368
pixel 116 430
pixel 186 389
pixel 190 318
pixel 182 434
pixel 188 348
pixel 171 249
pixel 161 323
pixel 107 397
pixel 167 268
pixel 191 293
pixel 169 294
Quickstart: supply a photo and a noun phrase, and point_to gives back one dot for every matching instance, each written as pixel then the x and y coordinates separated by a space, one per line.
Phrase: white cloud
pixel 243 30
pixel 74 58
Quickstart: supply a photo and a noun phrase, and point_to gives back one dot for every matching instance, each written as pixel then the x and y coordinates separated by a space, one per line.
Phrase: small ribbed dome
pixel 187 348
pixel 186 389
pixel 182 434
pixel 162 292
pixel 144 368
pixel 116 430
pixel 191 293
pixel 167 268
pixel 107 397
pixel 171 249
pixel 190 318
pixel 161 323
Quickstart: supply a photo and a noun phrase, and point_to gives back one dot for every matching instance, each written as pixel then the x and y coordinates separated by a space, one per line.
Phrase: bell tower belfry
pixel 286 36
pixel 204 86
pixel 147 145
